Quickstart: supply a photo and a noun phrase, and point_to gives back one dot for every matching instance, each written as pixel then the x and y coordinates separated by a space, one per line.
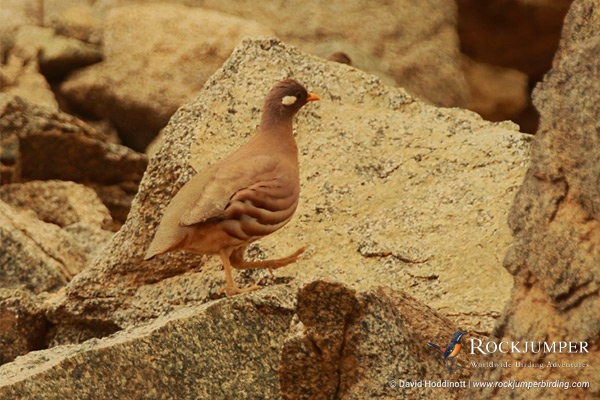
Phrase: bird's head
pixel 457 336
pixel 286 98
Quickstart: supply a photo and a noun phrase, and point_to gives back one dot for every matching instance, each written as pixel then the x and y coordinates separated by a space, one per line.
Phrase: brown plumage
pixel 249 194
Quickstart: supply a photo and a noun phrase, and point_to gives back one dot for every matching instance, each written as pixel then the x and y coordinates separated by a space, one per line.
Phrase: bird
pixel 451 350
pixel 243 197
pixel 340 57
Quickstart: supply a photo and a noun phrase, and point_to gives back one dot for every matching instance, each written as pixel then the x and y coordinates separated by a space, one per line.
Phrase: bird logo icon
pixel 451 350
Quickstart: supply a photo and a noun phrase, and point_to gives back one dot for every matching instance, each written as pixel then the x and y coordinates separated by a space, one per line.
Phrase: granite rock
pixel 36 255
pixel 59 202
pixel 22 77
pixel 77 21
pixel 10 159
pixel 349 345
pixel 70 205
pixel 555 221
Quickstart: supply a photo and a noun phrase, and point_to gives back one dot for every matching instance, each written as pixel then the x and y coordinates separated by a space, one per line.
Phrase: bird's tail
pixel 435 346
pixel 158 247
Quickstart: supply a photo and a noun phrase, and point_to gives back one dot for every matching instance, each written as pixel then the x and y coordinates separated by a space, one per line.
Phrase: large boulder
pixel 57 54
pixel 21 77
pixel 72 206
pixel 556 224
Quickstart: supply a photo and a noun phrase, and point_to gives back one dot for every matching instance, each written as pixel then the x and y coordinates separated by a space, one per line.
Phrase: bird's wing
pixel 258 180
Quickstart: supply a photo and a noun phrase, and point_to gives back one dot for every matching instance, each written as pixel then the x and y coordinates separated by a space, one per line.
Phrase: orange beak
pixel 313 97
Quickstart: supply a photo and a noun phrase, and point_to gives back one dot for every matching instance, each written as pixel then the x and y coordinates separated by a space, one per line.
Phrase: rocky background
pixel 404 204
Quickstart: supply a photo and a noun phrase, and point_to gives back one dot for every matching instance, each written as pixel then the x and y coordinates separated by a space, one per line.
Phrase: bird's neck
pixel 278 127
pixel 278 134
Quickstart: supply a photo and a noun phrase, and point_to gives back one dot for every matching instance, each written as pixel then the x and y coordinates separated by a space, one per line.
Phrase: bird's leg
pixel 449 367
pixel 230 288
pixel 238 262
pixel 455 364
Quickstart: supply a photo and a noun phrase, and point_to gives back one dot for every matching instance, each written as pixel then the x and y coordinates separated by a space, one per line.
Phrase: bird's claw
pixel 233 290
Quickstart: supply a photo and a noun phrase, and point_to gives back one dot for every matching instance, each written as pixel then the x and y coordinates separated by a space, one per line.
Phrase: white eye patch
pixel 289 100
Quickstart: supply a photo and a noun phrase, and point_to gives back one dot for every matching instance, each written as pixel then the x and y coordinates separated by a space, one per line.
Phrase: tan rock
pixel 20 77
pixel 15 13
pixel 349 345
pixel 35 255
pixel 117 198
pixel 79 21
pixel 556 223
pixel 10 159
pixel 497 94
pixel 59 202
pixel 157 57
pixel 57 54
pixel 246 346
pixel 23 325
pixel 55 145
pixel 394 192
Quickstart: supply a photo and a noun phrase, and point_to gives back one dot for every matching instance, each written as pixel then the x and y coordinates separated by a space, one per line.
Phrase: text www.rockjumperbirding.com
pixel 467 384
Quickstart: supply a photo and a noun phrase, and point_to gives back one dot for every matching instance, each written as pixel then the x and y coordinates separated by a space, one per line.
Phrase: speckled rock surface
pixel 556 223
pixel 36 255
pixel 59 202
pixel 349 345
pixel 72 206
pixel 269 344
pixel 394 192
pixel 192 353
pixel 156 58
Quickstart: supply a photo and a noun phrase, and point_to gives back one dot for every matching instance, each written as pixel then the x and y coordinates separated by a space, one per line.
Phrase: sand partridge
pixel 249 194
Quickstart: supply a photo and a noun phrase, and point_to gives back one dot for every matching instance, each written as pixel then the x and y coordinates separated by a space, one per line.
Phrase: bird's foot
pixel 456 368
pixel 233 290
pixel 238 262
